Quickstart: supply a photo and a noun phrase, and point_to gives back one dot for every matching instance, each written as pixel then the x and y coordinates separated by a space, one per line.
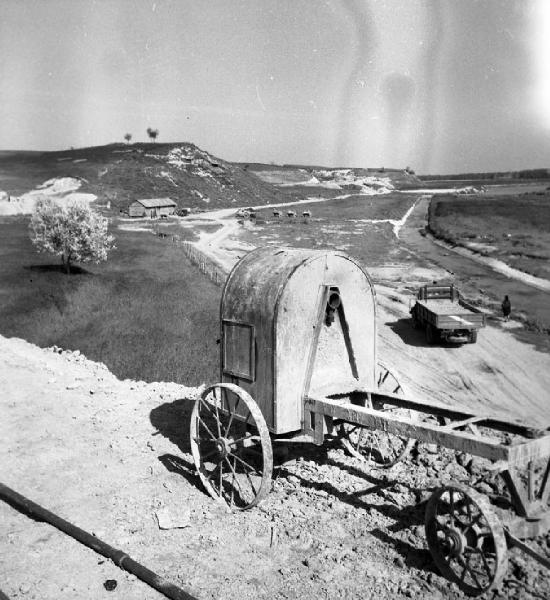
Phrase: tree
pixel 152 133
pixel 127 137
pixel 75 232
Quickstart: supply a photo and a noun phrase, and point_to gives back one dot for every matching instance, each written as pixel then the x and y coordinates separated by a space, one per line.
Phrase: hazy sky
pixel 437 85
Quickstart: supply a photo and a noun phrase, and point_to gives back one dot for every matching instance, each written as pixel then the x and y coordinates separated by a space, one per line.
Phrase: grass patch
pixel 519 232
pixel 147 313
pixel 337 225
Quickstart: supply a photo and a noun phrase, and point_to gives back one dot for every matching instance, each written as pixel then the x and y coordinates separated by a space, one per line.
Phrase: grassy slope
pixel 146 313
pixel 520 227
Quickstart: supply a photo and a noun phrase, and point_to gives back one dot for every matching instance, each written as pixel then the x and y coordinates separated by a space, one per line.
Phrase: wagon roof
pixel 156 202
pixel 257 279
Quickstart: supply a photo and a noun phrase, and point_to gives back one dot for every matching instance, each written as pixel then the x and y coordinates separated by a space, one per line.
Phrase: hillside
pixel 118 174
pixel 338 177
pixel 121 173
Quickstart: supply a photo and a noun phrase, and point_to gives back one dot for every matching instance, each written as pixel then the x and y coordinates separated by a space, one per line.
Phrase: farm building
pixel 152 207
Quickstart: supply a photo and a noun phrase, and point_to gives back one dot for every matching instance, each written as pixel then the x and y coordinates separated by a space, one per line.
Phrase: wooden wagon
pixel 299 363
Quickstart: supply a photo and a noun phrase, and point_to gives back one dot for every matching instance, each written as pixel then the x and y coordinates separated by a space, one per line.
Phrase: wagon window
pixel 238 350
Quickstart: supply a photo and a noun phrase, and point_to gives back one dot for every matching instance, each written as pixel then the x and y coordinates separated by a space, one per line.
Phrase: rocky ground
pixel 113 458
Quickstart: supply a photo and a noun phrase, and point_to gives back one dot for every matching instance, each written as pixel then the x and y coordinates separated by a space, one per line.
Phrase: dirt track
pixel 110 456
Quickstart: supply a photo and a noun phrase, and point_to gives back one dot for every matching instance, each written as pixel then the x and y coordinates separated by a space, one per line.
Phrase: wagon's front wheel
pixel 384 449
pixel 231 446
pixel 466 538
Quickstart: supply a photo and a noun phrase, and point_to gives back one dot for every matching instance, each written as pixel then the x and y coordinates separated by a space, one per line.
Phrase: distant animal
pixel 306 213
pixel 291 213
pixel 277 213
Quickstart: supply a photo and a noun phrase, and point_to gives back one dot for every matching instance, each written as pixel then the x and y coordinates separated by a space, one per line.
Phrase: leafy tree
pixel 152 133
pixel 75 232
pixel 128 137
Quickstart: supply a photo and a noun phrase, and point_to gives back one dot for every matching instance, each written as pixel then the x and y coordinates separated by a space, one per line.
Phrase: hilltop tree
pixel 75 232
pixel 152 133
pixel 127 137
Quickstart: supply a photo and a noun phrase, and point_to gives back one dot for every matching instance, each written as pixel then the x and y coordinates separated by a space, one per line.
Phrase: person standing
pixel 506 308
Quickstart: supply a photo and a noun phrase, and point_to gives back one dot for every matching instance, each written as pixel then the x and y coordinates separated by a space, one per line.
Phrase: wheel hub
pixel 454 542
pixel 222 445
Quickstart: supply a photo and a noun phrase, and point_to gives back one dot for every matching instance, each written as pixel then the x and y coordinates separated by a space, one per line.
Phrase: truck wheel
pixel 430 334
pixel 473 336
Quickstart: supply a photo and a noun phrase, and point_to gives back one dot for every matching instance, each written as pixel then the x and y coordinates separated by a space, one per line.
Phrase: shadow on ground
pixel 404 329
pixel 75 270
pixel 415 337
pixel 172 420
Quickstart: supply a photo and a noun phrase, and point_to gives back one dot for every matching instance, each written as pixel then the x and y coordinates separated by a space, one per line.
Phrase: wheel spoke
pixel 485 564
pixel 221 478
pixel 232 414
pixel 216 390
pixel 233 476
pixel 252 469
pixel 207 429
pixel 207 440
pixel 209 454
pixel 237 480
pixel 213 472
pixel 207 406
pixel 468 569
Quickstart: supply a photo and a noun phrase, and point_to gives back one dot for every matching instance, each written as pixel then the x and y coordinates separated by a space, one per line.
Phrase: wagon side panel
pixel 246 330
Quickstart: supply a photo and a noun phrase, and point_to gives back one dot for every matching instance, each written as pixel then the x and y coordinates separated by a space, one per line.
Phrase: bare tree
pixel 127 137
pixel 152 133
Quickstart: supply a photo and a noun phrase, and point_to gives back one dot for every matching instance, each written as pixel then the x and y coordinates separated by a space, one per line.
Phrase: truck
pixel 445 316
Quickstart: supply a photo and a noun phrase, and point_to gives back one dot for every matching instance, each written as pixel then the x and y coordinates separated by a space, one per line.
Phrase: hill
pixel 120 174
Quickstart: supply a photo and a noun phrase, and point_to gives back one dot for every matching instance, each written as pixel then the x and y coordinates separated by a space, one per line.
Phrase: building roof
pixel 156 202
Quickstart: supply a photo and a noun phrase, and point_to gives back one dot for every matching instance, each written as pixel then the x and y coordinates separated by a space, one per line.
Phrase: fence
pixel 205 264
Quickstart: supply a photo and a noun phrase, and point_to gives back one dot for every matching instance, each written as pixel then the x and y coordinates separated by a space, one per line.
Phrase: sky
pixel 440 86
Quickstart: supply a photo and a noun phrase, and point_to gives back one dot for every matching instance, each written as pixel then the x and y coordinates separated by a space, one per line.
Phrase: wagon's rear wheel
pixel 466 538
pixel 384 449
pixel 231 446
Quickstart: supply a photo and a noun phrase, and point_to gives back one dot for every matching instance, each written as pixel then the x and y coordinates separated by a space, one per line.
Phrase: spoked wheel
pixel 466 538
pixel 384 449
pixel 231 446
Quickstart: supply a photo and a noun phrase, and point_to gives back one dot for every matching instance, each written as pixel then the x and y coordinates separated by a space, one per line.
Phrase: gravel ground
pixel 113 458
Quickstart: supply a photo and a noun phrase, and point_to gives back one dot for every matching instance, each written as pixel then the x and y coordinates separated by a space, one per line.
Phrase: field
pixel 146 313
pixel 359 225
pixel 519 232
